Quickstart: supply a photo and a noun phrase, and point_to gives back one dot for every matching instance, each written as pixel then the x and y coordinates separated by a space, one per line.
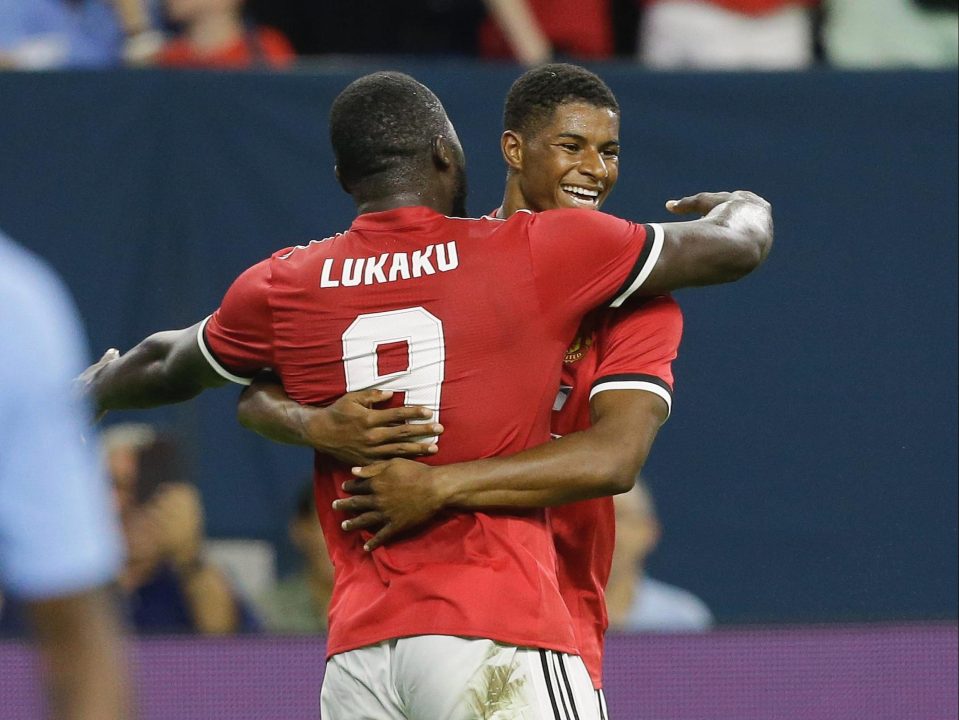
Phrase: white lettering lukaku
pixel 389 267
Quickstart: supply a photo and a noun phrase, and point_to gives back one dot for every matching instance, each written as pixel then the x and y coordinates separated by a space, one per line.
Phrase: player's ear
pixel 442 152
pixel 512 146
pixel 339 179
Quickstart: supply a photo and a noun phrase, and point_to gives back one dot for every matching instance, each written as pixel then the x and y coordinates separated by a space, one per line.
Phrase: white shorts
pixel 601 705
pixel 442 677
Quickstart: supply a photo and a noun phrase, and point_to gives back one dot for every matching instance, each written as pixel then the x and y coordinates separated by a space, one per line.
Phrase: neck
pixel 215 30
pixel 513 198
pixel 402 199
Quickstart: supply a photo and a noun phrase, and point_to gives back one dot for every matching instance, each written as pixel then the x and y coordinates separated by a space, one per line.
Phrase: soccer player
pixel 60 545
pixel 468 318
pixel 561 144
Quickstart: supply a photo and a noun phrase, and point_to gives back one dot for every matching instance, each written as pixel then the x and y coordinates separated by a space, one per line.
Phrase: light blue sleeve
pixel 58 530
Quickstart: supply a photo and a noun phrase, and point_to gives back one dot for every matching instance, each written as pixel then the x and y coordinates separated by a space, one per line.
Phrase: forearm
pixel 749 219
pixel 166 367
pixel 599 461
pixel 730 241
pixel 266 409
pixel 580 466
pixel 523 32
pixel 80 638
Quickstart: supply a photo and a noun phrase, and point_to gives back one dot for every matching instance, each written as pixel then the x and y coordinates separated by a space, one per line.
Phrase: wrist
pixel 443 482
pixel 312 427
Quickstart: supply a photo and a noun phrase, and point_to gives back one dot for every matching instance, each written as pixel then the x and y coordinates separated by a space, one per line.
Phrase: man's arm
pixel 352 429
pixel 81 642
pixel 167 367
pixel 398 495
pixel 730 241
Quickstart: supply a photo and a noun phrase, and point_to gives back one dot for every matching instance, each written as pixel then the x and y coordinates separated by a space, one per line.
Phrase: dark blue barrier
pixel 809 469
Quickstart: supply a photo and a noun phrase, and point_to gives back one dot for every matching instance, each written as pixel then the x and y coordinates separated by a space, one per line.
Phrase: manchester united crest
pixel 578 349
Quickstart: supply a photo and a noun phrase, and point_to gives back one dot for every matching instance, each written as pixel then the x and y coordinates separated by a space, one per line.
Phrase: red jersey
pixel 627 348
pixel 468 317
pixel 262 46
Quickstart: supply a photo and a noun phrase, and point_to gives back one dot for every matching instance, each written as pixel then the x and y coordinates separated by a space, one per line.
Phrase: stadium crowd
pixel 661 34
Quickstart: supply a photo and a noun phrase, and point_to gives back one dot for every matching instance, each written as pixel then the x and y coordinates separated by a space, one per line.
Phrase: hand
pixel 86 379
pixel 177 514
pixel 353 431
pixel 703 203
pixel 394 496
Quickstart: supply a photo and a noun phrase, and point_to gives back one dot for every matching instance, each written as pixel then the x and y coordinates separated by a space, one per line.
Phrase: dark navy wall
pixel 809 469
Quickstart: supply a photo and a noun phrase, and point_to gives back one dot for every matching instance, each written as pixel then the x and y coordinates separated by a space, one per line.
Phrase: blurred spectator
pixel 298 604
pixel 891 33
pixel 59 542
pixel 168 584
pixel 634 600
pixel 532 31
pixel 727 34
pixel 215 34
pixel 43 34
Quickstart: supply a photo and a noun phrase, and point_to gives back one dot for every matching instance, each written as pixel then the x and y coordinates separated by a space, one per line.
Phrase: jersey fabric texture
pixel 469 317
pixel 630 348
pixel 58 532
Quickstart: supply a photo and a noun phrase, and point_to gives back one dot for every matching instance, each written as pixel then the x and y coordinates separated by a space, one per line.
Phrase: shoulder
pixel 685 610
pixel 578 219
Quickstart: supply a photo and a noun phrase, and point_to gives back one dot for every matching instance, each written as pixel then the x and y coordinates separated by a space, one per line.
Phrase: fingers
pixel 374 518
pixel 413 416
pixel 382 535
pixel 409 450
pixel 110 355
pixel 358 503
pixel 700 203
pixel 369 398
pixel 371 470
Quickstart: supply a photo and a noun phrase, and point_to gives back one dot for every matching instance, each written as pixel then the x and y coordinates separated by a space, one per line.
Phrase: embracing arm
pixel 730 241
pixel 603 460
pixel 167 367
pixel 351 429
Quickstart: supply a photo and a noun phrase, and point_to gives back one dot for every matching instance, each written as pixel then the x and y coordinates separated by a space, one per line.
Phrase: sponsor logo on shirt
pixel 389 267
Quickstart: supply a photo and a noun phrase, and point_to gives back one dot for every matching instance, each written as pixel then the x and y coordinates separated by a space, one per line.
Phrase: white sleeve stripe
pixel 220 370
pixel 635 385
pixel 654 252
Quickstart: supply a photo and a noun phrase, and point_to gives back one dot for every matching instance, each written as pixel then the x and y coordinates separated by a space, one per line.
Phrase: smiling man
pixel 561 140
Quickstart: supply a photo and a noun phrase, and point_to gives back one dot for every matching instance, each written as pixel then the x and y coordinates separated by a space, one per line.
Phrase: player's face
pixel 573 161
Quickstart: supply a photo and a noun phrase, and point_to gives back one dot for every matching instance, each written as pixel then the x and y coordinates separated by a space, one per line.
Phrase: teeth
pixel 581 192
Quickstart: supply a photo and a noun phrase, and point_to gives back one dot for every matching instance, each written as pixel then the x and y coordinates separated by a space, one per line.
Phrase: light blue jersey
pixel 58 531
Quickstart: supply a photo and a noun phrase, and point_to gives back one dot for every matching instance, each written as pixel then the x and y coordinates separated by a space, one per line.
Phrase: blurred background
pixel 807 479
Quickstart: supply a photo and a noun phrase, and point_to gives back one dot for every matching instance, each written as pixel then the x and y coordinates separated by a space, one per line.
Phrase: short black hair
pixel 538 92
pixel 381 122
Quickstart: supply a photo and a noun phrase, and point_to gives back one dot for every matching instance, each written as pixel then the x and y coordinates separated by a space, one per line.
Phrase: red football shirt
pixel 470 318
pixel 627 348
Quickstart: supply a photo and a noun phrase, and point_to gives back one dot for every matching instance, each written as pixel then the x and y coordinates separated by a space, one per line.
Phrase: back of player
pixel 467 317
